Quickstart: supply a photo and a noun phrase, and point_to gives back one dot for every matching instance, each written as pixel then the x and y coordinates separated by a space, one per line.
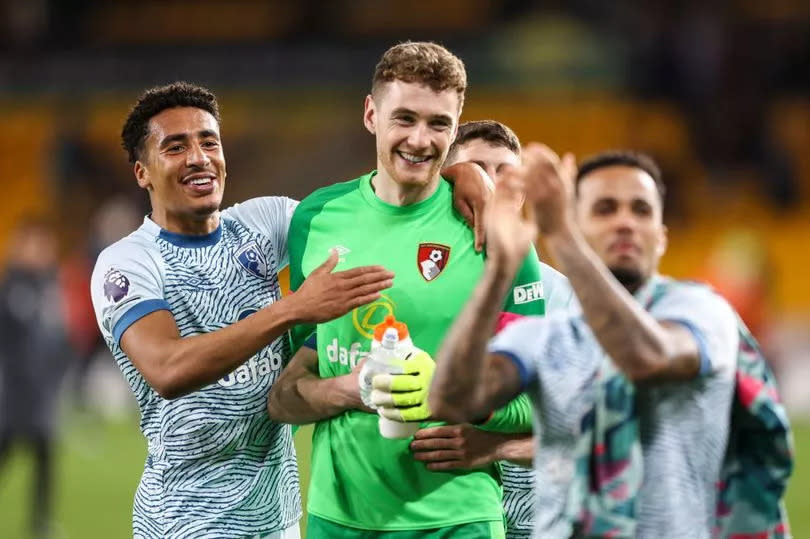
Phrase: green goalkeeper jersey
pixel 359 478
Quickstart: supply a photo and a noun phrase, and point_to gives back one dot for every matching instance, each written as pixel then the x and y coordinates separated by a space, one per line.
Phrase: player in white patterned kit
pixel 190 306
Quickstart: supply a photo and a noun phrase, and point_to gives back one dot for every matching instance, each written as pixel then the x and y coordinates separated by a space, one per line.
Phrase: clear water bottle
pixel 391 343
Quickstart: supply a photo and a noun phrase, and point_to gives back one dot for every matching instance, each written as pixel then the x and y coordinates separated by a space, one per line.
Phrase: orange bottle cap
pixel 390 322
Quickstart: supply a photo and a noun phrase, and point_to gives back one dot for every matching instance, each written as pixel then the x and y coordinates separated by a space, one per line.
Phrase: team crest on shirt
pixel 431 259
pixel 116 285
pixel 252 259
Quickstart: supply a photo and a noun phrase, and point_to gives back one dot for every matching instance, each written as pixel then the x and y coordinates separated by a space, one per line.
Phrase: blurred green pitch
pixel 99 463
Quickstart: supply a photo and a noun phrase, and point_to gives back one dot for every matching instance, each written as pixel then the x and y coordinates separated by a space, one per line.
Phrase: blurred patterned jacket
pixel 759 457
pixel 756 467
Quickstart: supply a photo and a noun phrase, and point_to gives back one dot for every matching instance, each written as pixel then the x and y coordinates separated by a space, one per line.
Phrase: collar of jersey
pixel 644 293
pixel 184 240
pixel 411 209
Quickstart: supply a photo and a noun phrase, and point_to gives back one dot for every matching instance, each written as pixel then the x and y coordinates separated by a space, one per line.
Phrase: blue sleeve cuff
pixel 311 342
pixel 521 367
pixel 703 348
pixel 138 311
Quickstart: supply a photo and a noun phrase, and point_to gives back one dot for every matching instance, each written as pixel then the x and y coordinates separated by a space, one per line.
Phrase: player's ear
pixel 663 240
pixel 458 116
pixel 142 175
pixel 370 115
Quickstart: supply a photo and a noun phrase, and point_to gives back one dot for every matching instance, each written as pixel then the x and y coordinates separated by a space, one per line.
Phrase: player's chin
pixel 624 265
pixel 207 205
pixel 629 275
pixel 412 182
pixel 416 178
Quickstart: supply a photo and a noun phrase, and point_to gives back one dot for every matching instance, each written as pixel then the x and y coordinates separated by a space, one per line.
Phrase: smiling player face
pixel 414 127
pixel 183 168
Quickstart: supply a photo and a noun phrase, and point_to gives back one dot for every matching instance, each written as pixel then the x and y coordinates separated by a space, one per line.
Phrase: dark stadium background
pixel 717 92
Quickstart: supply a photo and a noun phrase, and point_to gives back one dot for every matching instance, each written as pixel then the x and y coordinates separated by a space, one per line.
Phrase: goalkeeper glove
pixel 402 396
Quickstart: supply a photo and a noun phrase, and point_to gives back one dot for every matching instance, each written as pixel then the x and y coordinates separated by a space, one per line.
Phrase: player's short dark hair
pixel 422 62
pixel 154 101
pixel 495 133
pixel 626 158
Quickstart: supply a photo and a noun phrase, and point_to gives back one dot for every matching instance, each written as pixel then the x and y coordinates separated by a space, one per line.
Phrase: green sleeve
pixel 515 417
pixel 526 296
pixel 296 246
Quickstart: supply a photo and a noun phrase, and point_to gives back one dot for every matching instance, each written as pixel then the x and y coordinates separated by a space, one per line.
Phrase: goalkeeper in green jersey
pixel 399 215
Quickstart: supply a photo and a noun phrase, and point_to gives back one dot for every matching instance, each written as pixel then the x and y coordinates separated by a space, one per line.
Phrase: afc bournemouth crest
pixel 431 259
pixel 252 259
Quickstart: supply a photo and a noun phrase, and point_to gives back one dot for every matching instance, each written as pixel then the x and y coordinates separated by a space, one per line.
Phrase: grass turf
pixel 98 464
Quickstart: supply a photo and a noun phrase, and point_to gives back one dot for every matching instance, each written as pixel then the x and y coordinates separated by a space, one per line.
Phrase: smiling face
pixel 183 168
pixel 414 127
pixel 619 212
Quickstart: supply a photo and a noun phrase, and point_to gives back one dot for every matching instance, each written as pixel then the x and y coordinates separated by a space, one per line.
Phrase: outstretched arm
pixel 517 450
pixel 469 382
pixel 452 447
pixel 472 187
pixel 301 396
pixel 175 366
pixel 643 348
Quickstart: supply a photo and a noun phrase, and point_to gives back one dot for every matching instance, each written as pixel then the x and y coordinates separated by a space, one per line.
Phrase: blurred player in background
pixel 189 305
pixel 34 356
pixel 677 342
pixel 364 485
pixel 495 148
